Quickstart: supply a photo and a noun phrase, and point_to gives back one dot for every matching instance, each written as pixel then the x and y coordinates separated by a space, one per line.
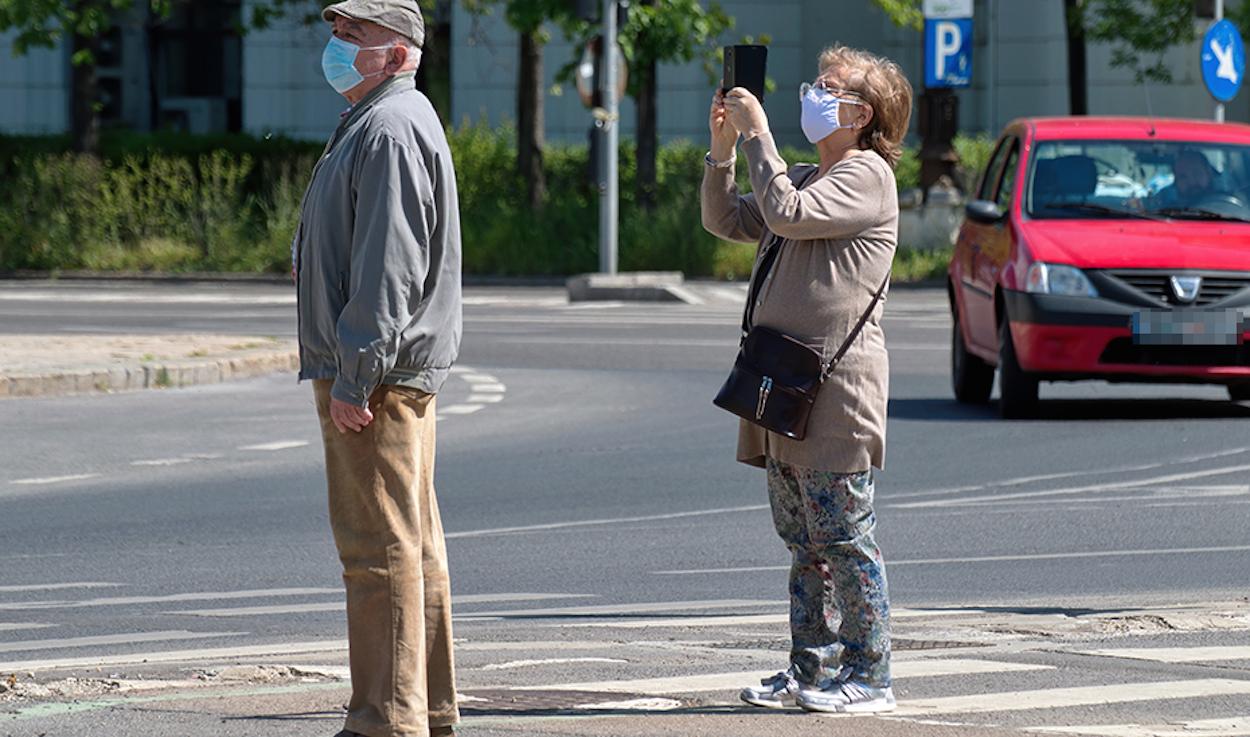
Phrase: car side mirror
pixel 984 212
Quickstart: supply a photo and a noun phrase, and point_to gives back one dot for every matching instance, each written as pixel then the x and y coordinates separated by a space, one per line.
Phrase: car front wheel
pixel 1017 389
pixel 971 378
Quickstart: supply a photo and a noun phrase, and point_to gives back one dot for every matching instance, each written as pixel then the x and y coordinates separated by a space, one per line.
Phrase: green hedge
pixel 173 203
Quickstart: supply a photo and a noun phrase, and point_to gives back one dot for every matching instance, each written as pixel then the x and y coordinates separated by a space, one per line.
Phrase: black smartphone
pixel 745 67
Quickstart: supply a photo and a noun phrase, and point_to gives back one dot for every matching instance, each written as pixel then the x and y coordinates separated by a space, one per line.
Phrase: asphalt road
pixel 585 477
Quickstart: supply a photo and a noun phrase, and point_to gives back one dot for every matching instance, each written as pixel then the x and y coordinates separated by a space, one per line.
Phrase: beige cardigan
pixel 840 232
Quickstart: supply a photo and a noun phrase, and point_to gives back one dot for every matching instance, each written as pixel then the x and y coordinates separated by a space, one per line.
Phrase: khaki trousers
pixel 390 539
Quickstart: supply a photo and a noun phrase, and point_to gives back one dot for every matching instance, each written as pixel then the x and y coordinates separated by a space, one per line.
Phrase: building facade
pixel 193 72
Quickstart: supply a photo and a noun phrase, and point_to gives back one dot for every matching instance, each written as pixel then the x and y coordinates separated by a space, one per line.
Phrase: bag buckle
pixel 766 387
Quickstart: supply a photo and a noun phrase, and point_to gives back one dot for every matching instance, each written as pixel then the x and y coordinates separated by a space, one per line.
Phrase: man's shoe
pixel 348 733
pixel 847 697
pixel 446 731
pixel 776 691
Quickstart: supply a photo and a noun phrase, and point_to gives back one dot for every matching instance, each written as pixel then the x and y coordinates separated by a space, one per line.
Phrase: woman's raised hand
pixel 745 113
pixel 724 136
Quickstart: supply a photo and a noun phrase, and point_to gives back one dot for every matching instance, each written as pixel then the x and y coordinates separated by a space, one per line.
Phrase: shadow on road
pixel 948 410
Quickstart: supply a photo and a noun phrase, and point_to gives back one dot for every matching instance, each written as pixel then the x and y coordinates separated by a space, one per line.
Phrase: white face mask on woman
pixel 820 112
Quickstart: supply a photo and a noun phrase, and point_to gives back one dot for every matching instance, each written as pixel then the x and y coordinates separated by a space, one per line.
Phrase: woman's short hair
pixel 882 84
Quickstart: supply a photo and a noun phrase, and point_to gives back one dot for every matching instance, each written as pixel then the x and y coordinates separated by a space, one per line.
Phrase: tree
pixel 1137 29
pixel 527 17
pixel 43 23
pixel 665 31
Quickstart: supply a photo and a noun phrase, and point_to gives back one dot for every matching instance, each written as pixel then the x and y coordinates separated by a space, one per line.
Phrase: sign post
pixel 1223 59
pixel 947 65
pixel 608 120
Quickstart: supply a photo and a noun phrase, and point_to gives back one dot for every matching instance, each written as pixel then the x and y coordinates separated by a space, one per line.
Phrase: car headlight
pixel 1057 279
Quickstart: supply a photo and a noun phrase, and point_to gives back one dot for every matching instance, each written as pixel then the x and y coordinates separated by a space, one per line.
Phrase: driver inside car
pixel 1193 179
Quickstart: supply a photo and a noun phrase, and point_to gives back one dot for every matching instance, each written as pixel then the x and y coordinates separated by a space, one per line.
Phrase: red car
pixel 1104 248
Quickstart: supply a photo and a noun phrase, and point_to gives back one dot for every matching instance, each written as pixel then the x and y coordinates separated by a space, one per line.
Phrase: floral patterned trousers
pixel 837 576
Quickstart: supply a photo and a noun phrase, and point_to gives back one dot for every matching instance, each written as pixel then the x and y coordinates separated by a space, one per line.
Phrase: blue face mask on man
pixel 338 63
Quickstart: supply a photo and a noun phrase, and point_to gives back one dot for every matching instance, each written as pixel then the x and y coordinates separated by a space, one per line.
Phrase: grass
pixel 913 265
pixel 732 262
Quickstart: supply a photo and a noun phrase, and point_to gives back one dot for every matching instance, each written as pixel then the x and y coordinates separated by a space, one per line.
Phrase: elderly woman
pixel 835 226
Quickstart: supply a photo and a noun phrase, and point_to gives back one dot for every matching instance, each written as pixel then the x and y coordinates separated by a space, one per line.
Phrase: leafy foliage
pixel 41 23
pixel 903 13
pixel 1140 28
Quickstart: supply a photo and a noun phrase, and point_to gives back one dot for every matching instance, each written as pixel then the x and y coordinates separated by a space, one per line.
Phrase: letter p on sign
pixel 948 52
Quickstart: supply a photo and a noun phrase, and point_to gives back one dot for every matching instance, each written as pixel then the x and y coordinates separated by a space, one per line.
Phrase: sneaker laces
pixel 781 681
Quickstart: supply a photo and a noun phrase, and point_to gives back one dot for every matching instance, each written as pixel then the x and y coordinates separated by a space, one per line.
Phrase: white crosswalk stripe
pixel 1010 683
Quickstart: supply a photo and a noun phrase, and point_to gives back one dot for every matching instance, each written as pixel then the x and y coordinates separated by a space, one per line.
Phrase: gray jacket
pixel 377 251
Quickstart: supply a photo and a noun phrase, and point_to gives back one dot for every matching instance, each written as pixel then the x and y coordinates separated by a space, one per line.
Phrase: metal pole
pixel 1219 15
pixel 608 195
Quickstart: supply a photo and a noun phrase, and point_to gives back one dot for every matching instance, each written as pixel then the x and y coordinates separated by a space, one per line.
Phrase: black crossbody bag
pixel 775 377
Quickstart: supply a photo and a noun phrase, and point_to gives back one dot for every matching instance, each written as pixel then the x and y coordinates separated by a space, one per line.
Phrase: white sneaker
pixel 777 691
pixel 847 697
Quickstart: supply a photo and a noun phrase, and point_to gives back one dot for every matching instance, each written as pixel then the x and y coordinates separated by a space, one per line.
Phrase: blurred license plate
pixel 1187 327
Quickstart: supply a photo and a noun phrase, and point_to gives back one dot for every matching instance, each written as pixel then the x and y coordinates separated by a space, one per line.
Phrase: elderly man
pixel 377 260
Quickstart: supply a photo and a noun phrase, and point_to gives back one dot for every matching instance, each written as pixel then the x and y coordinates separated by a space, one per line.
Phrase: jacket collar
pixel 400 83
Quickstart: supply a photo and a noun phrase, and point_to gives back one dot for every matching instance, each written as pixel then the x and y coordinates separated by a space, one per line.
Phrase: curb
pixel 173 375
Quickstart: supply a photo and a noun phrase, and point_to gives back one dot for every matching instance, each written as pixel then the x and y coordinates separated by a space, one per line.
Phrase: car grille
pixel 1123 351
pixel 1157 284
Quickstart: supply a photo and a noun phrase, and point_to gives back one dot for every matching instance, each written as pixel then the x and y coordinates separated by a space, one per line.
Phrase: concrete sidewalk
pixel 316 707
pixel 45 365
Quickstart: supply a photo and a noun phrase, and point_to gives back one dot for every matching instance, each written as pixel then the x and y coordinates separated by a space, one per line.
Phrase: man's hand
pixel 349 416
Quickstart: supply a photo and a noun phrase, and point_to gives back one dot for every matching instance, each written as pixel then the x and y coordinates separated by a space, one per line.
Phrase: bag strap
pixel 761 275
pixel 846 344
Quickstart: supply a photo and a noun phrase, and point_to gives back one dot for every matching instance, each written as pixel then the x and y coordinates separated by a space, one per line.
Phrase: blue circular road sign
pixel 1223 60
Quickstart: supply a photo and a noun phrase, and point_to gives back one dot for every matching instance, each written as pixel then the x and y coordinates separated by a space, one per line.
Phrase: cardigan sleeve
pixel 847 200
pixel 727 214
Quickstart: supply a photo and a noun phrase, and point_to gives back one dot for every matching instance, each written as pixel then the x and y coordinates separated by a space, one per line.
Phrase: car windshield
pixel 1132 179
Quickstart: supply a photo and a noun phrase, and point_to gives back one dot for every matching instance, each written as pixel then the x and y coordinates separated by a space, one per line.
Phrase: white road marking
pixel 601 522
pixel 547 661
pixel 984 559
pixel 476 378
pixel 684 622
pixel 1176 654
pixel 179 656
pixel 278 445
pixel 1111 486
pixel 198 596
pixel 162 462
pixel 1230 727
pixel 55 479
pixel 480 301
pixel 927 668
pixel 633 704
pixel 1056 698
pixel 1115 471
pixel 625 610
pixel 123 639
pixel 494 388
pixel 737 620
pixel 58 586
pixel 144 296
pixel 484 398
pixel 260 611
pixel 339 606
pixel 460 409
pixel 14 626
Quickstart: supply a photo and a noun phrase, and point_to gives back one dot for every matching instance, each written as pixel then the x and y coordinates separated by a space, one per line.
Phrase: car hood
pixel 1139 244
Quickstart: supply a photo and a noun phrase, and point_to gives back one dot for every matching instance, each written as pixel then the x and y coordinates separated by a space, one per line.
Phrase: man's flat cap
pixel 401 16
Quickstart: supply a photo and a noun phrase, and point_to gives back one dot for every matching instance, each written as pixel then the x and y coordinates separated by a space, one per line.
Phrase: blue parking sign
pixel 948 52
pixel 1223 60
